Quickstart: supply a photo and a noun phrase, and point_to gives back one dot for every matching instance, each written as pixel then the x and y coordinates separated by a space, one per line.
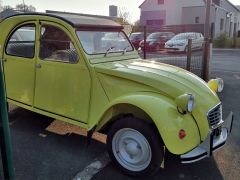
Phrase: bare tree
pixel 7 7
pixel 124 15
pixel 1 7
pixel 137 26
pixel 25 8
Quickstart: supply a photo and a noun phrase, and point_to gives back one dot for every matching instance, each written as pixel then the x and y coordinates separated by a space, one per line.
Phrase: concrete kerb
pixel 226 49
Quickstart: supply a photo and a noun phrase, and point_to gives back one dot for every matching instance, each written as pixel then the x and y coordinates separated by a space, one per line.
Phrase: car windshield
pixel 101 42
pixel 183 36
pixel 135 36
pixel 154 36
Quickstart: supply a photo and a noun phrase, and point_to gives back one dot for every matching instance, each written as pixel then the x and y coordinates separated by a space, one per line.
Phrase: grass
pixel 224 41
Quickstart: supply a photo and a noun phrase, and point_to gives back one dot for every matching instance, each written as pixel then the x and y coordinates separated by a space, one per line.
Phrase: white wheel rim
pixel 131 149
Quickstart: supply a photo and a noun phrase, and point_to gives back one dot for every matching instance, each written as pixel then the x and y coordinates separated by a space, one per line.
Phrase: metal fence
pixel 189 55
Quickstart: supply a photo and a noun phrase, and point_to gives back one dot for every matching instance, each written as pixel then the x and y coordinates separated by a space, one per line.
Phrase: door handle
pixel 38 66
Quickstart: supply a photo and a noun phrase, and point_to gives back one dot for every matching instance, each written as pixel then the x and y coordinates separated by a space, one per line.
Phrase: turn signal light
pixel 182 134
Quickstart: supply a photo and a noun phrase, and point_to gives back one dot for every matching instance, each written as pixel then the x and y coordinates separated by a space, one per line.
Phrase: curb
pixel 224 49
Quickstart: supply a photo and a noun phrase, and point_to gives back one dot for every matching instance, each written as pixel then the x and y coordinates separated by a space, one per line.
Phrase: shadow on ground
pixel 39 154
pixel 173 169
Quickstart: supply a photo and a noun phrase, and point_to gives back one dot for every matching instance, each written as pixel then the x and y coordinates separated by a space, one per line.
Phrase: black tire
pixel 152 137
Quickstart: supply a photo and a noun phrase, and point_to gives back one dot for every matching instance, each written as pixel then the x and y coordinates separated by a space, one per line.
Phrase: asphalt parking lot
pixel 44 148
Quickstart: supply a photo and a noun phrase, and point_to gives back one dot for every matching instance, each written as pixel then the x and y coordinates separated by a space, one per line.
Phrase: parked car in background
pixel 180 41
pixel 112 40
pixel 136 38
pixel 23 35
pixel 156 41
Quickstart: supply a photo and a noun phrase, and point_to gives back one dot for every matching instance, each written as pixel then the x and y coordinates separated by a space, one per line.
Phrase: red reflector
pixel 181 134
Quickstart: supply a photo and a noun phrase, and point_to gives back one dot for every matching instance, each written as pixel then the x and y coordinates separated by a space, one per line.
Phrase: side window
pixel 55 45
pixel 22 42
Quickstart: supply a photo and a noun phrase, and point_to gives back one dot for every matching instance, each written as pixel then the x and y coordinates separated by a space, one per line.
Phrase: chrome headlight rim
pixel 216 85
pixel 185 103
pixel 191 103
pixel 220 85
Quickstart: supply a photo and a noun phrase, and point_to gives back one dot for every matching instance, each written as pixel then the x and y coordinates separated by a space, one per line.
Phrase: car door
pixel 62 78
pixel 195 41
pixel 19 63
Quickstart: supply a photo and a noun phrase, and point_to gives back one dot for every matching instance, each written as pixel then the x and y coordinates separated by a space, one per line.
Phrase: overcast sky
pixel 99 7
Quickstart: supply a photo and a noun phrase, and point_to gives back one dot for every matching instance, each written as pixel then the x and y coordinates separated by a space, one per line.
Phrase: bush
pixel 223 41
pixel 238 43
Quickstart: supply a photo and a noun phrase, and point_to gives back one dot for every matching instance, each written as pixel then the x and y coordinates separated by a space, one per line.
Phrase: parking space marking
pixel 97 165
pixel 224 71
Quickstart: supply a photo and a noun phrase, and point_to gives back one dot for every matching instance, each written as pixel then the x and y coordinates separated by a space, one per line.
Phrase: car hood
pixel 168 80
pixel 149 41
pixel 180 41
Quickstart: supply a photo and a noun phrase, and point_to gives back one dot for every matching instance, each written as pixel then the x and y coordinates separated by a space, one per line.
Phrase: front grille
pixel 215 115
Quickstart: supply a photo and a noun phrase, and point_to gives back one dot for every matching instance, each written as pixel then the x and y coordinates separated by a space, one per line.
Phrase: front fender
pixel 167 119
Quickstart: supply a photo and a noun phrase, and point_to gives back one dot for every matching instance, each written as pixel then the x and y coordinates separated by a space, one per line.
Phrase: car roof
pixel 78 21
pixel 190 33
pixel 163 32
pixel 137 33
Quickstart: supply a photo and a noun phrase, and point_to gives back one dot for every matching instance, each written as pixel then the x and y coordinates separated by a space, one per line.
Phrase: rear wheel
pixel 158 48
pixel 135 147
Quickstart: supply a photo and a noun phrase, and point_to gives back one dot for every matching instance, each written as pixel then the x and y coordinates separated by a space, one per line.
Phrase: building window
pixel 196 20
pixel 155 22
pixel 160 1
pixel 221 24
pixel 217 2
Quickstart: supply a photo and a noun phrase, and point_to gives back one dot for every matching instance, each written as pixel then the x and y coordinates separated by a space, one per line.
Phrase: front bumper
pixel 211 144
pixel 175 48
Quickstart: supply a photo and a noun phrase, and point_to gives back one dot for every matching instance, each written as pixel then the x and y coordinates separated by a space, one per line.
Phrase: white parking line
pixel 97 165
pixel 225 71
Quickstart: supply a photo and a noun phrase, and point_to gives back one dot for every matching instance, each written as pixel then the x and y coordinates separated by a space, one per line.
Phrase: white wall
pixel 173 8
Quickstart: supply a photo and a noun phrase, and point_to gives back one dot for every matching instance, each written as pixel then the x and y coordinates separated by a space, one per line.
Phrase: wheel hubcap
pixel 131 149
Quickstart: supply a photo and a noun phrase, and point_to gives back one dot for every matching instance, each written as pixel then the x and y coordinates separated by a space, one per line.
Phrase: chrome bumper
pixel 211 144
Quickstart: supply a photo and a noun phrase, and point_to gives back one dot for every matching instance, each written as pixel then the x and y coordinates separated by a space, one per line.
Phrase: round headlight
pixel 216 84
pixel 185 103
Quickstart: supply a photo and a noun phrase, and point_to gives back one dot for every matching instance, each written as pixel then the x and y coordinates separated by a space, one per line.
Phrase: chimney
pixel 113 11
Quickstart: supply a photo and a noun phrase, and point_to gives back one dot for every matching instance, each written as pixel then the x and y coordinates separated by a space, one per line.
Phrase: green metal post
pixel 5 141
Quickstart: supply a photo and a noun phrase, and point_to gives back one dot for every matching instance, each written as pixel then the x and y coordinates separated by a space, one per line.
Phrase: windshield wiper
pixel 108 50
pixel 125 50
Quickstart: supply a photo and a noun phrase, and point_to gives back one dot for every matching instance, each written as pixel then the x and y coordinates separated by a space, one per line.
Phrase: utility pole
pixel 144 42
pixel 5 140
pixel 24 6
pixel 207 46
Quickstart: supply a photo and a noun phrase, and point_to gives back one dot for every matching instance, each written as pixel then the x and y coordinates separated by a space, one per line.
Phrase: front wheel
pixel 135 147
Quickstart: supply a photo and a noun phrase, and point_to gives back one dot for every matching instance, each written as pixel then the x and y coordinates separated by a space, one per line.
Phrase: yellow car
pixel 67 68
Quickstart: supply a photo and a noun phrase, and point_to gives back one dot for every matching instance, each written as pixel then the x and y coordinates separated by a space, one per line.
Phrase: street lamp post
pixel 5 142
pixel 24 6
pixel 207 47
